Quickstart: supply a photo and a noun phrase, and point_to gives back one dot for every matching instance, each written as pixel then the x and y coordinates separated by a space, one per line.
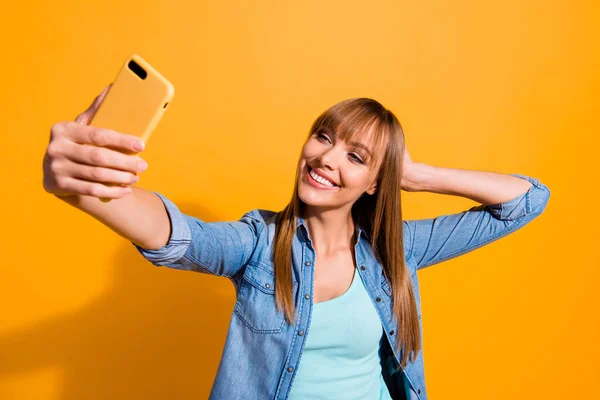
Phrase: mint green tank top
pixel 341 353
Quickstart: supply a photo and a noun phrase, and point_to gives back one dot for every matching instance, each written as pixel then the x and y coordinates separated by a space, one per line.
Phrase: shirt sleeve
pixel 434 240
pixel 217 248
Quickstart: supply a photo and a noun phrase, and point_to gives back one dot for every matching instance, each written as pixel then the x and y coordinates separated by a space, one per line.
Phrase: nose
pixel 329 158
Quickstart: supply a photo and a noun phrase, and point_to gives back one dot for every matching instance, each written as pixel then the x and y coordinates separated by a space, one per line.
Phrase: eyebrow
pixel 362 146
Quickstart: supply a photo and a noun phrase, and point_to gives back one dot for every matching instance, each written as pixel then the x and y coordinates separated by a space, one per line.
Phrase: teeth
pixel 320 179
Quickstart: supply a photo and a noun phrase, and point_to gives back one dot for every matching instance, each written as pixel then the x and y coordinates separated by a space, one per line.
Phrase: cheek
pixel 358 179
pixel 311 149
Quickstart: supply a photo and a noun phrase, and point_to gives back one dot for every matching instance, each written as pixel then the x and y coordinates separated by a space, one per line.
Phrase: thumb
pixel 86 116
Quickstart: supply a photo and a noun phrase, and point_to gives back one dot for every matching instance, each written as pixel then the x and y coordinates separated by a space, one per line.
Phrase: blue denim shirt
pixel 262 351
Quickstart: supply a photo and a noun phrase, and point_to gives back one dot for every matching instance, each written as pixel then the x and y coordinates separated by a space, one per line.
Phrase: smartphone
pixel 136 100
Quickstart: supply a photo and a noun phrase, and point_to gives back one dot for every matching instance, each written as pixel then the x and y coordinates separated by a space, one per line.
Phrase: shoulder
pixel 262 216
pixel 261 221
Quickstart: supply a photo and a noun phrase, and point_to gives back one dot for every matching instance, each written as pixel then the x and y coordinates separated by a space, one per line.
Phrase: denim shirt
pixel 262 351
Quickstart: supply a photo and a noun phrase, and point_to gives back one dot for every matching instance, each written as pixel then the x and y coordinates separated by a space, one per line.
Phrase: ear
pixel 372 189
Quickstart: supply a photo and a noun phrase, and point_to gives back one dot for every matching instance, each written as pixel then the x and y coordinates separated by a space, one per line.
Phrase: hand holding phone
pixel 97 155
pixel 85 160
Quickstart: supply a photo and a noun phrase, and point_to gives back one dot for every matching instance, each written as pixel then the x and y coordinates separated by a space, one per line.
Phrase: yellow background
pixel 508 87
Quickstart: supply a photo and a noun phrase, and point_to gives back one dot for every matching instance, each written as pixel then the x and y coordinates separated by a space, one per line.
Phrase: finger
pixel 102 157
pixel 100 190
pixel 100 174
pixel 86 116
pixel 104 137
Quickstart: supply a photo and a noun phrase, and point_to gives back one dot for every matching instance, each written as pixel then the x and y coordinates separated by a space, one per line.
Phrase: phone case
pixel 136 100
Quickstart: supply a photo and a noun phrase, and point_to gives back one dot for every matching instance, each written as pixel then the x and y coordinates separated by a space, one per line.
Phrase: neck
pixel 330 230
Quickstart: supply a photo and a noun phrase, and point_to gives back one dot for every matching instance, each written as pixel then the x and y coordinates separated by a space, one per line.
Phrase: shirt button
pixel 300 333
pixel 419 391
pixel 291 369
pixel 307 263
pixel 391 332
pixel 362 267
pixel 268 285
pixel 307 296
pixel 378 299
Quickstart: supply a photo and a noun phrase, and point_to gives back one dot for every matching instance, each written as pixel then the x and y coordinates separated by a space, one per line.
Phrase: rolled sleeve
pixel 179 241
pixel 532 201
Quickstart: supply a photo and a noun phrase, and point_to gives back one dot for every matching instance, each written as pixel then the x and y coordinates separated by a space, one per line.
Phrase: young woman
pixel 328 303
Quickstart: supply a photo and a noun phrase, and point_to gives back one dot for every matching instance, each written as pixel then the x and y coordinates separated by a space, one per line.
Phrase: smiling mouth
pixel 314 181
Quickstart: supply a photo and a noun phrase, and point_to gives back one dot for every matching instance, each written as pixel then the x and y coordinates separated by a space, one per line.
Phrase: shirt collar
pixel 301 226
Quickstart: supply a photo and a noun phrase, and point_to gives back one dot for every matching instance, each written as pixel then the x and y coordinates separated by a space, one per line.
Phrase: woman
pixel 339 315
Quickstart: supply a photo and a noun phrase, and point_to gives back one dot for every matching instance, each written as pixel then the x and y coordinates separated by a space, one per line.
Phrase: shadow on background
pixel 156 333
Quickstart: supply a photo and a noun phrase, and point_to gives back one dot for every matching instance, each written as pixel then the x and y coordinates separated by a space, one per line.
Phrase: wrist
pixel 416 176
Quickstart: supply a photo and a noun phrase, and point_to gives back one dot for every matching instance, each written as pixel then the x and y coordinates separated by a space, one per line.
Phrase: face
pixel 348 166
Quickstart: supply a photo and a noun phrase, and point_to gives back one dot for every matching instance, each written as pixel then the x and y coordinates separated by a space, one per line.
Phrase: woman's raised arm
pixel 511 202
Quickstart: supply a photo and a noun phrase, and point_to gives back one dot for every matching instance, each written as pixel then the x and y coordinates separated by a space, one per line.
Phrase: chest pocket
pixel 255 304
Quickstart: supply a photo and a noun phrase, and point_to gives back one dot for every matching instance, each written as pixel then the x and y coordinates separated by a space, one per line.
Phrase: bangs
pixel 358 121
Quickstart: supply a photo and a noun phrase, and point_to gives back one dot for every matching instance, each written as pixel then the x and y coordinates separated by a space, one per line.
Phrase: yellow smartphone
pixel 136 100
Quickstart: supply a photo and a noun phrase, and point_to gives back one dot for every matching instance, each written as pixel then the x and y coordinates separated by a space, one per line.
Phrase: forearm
pixel 139 217
pixel 481 186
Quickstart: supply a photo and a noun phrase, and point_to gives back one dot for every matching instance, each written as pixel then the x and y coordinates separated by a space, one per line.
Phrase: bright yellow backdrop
pixel 509 87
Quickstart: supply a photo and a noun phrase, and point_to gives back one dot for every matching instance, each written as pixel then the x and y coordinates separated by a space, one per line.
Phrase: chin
pixel 314 199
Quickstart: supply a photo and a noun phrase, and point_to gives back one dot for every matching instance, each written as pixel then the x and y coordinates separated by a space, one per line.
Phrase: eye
pixel 357 158
pixel 319 135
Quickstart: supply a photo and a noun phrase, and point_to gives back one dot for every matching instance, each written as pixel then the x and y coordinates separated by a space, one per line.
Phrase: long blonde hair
pixel 379 214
